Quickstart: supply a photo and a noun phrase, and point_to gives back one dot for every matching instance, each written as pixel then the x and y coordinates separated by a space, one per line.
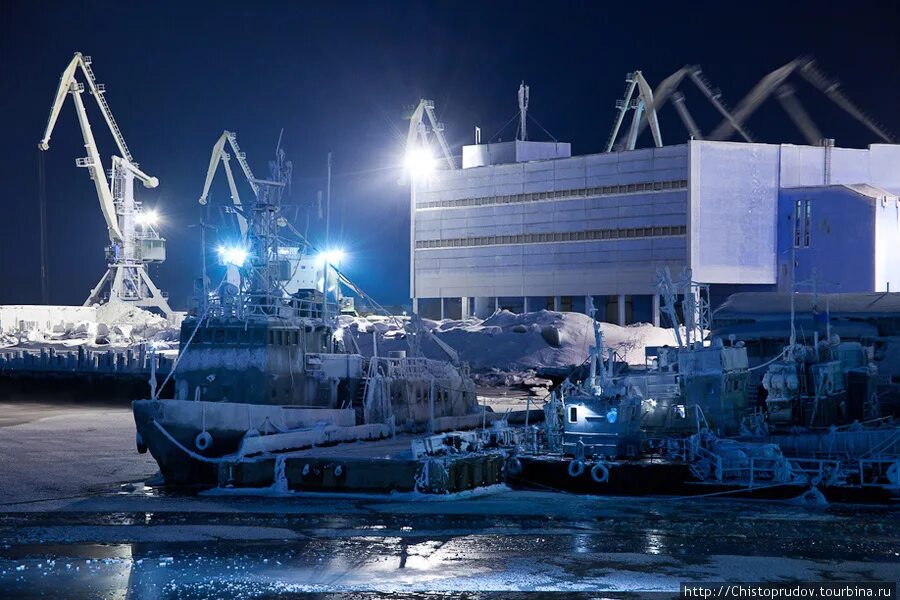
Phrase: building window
pixel 802 223
pixel 573 414
pixel 806 224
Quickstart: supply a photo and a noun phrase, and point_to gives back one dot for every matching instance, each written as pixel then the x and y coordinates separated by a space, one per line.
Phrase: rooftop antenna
pixel 523 111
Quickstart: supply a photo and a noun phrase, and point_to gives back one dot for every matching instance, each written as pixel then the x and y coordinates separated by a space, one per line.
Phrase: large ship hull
pixel 189 438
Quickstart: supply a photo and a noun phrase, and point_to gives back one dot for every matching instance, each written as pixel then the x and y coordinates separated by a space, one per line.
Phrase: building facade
pixel 560 233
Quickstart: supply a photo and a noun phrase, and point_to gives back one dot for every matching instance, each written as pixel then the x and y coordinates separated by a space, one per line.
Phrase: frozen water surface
pixel 76 521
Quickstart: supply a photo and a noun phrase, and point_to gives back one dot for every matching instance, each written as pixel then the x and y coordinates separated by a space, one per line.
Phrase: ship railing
pixel 270 306
pixel 768 470
pixel 874 471
pixel 818 469
pixel 413 368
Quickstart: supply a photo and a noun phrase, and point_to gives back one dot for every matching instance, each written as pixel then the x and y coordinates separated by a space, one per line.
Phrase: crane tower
pixel 134 241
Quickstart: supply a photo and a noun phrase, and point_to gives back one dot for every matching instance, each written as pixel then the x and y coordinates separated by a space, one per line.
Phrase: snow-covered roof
pixel 863 189
pixel 773 305
pixel 780 329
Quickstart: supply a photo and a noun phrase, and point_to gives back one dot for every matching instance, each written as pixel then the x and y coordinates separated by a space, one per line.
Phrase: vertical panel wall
pixel 734 195
pixel 586 225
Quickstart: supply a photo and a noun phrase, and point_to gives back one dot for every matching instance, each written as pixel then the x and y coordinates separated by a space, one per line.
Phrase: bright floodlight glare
pixel 419 162
pixel 333 256
pixel 232 255
pixel 147 217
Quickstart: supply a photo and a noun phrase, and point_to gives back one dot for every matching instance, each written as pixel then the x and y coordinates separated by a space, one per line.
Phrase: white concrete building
pixel 555 232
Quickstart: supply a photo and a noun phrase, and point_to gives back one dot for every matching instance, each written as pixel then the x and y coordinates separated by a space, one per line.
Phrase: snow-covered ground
pixel 512 342
pixel 112 325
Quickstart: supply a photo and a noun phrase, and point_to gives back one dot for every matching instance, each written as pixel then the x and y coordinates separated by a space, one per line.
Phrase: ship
pixel 262 368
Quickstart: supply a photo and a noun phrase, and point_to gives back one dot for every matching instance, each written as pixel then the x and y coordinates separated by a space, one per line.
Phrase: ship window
pixel 573 414
pixel 271 336
pixel 232 335
pixel 220 336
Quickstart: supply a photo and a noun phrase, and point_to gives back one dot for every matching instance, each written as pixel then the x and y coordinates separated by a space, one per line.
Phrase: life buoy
pixel 576 468
pixel 600 473
pixel 513 466
pixel 203 440
pixel 893 473
pixel 306 469
pixel 338 470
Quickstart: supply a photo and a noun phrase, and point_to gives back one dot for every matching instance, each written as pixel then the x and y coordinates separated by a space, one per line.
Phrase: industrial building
pixel 524 225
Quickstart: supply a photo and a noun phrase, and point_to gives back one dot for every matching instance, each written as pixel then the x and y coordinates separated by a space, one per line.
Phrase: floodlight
pixel 232 255
pixel 419 162
pixel 147 217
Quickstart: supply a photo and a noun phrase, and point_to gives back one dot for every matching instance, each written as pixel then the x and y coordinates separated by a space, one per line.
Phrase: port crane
pixel 419 135
pixel 134 240
pixel 646 104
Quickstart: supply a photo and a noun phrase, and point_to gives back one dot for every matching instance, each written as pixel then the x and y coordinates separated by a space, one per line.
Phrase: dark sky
pixel 336 76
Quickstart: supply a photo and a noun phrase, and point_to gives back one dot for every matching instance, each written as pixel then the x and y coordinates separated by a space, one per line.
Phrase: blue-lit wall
pixel 841 241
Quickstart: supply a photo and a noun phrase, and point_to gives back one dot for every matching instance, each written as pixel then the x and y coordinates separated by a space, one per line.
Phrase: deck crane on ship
pixel 134 239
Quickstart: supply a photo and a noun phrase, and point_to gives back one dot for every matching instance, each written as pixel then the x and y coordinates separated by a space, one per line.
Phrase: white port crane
pixel 419 134
pixel 220 155
pixel 134 240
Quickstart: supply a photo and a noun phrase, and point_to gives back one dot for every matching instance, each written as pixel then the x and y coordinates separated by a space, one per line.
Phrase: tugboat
pixel 259 367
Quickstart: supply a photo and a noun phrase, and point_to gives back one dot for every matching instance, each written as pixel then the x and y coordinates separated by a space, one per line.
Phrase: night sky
pixel 336 76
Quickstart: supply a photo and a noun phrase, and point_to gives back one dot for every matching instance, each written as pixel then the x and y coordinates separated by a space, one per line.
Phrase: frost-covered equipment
pixel 134 240
pixel 601 416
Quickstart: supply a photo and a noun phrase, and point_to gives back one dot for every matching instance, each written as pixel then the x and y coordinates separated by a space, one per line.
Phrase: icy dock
pixel 82 362
pixel 380 467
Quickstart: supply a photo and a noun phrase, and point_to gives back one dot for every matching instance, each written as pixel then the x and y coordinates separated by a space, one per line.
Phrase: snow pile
pixel 112 324
pixel 511 342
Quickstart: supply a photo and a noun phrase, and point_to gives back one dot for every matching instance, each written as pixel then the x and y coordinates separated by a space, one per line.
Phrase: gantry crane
pixel 134 240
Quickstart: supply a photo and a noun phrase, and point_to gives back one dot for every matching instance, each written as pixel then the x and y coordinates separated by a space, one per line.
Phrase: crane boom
pixel 417 130
pixel 219 155
pixel 97 90
pixel 67 84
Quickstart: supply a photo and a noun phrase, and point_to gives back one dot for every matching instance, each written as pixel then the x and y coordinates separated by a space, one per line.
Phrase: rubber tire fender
pixel 600 473
pixel 576 468
pixel 139 442
pixel 203 440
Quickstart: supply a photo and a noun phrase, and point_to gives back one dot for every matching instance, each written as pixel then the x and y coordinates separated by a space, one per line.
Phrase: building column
pixel 442 308
pixel 525 304
pixel 620 304
pixel 496 303
pixel 483 307
pixel 464 307
pixel 587 304
pixel 557 303
pixel 654 310
pixel 415 306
